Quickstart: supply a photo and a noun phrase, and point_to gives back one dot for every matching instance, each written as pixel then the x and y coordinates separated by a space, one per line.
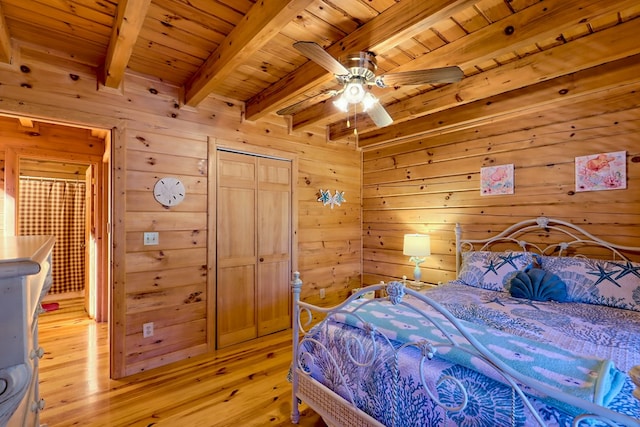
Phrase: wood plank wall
pixel 149 126
pixel 52 169
pixel 166 283
pixel 428 184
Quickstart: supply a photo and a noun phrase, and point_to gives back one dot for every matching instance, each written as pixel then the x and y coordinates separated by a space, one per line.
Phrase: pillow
pixel 592 281
pixel 492 270
pixel 538 285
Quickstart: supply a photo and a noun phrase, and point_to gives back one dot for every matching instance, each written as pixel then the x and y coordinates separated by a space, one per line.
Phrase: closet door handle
pixel 261 259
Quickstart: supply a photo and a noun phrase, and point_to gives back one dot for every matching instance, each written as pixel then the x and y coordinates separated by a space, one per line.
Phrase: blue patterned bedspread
pixel 590 330
pixel 596 380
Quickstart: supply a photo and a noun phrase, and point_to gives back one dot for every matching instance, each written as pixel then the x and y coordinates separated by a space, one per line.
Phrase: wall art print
pixel 495 180
pixel 604 171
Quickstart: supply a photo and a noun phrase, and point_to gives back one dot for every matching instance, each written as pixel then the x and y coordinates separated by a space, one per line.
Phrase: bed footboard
pixel 340 404
pixel 334 410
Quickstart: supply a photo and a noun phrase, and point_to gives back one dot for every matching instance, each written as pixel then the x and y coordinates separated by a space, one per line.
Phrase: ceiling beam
pixel 567 58
pixel 402 20
pixel 5 40
pixel 540 21
pixel 129 18
pixel 263 22
pixel 622 76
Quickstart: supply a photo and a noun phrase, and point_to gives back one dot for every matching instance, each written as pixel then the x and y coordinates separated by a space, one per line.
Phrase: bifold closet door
pixel 274 245
pixel 236 248
pixel 253 246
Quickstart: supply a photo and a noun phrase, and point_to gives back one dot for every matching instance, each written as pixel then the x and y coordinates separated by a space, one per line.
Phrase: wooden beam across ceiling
pixel 387 30
pixel 579 54
pixel 541 21
pixel 126 28
pixel 5 40
pixel 263 22
pixel 621 76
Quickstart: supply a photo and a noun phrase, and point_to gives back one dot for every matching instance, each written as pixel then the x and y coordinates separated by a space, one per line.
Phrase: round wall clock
pixel 169 191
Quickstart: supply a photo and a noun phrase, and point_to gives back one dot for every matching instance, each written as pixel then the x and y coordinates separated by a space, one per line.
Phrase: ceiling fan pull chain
pixel 355 120
pixel 355 124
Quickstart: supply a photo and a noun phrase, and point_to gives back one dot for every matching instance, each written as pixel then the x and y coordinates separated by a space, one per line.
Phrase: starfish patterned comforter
pixel 394 393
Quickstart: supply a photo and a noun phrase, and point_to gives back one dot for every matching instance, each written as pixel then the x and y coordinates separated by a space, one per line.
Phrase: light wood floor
pixel 241 386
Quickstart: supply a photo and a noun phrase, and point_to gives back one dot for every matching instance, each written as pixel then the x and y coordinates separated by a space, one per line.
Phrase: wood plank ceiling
pixel 514 53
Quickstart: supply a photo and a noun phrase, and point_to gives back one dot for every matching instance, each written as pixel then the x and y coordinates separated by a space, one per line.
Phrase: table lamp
pixel 417 246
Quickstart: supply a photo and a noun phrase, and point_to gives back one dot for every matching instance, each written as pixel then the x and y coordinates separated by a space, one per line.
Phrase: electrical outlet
pixel 151 238
pixel 147 330
pixel 321 292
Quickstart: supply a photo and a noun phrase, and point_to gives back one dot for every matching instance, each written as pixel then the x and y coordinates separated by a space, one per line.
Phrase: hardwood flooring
pixel 244 385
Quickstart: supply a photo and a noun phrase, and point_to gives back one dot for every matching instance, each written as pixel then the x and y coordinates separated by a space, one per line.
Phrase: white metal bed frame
pixel 338 411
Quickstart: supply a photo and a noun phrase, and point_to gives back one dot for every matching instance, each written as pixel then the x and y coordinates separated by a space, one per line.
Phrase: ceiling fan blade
pixel 294 108
pixel 316 53
pixel 379 115
pixel 420 77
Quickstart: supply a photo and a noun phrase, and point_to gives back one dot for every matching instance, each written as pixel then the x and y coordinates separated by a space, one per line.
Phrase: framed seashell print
pixel 604 171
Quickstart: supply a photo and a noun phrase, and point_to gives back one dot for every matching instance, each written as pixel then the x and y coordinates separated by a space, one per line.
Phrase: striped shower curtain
pixel 57 207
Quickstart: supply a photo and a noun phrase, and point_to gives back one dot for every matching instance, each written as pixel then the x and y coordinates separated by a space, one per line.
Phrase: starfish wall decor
pixel 327 199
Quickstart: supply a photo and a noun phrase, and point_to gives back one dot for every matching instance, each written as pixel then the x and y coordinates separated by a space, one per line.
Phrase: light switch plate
pixel 151 238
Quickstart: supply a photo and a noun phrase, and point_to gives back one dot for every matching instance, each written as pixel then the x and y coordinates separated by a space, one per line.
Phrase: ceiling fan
pixel 356 72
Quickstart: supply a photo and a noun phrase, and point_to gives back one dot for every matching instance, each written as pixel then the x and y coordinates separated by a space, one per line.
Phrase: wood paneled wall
pixel 165 284
pixel 153 137
pixel 428 184
pixel 52 169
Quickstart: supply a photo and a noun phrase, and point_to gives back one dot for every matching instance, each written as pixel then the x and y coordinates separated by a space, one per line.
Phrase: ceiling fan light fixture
pixel 341 103
pixel 368 101
pixel 354 92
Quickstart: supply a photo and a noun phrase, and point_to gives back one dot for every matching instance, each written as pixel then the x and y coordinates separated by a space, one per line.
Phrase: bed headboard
pixel 545 236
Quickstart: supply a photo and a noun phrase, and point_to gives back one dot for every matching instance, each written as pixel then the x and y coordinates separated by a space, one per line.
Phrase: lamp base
pixel 417 274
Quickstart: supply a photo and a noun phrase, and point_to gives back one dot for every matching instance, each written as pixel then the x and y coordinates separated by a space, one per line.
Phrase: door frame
pixel 97 294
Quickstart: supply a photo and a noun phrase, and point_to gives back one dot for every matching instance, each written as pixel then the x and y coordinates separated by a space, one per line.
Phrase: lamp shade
pixel 417 245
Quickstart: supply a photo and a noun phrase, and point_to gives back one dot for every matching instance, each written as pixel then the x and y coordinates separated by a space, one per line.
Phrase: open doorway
pixel 64 170
pixel 52 200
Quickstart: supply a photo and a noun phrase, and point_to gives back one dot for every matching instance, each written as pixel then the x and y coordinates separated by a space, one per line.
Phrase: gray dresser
pixel 25 277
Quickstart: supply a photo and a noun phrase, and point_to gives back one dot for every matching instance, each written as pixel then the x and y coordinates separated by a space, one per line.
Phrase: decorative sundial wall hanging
pixel 169 191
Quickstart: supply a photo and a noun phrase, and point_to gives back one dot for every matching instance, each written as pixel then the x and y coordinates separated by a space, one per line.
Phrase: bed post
pixel 458 248
pixel 296 286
